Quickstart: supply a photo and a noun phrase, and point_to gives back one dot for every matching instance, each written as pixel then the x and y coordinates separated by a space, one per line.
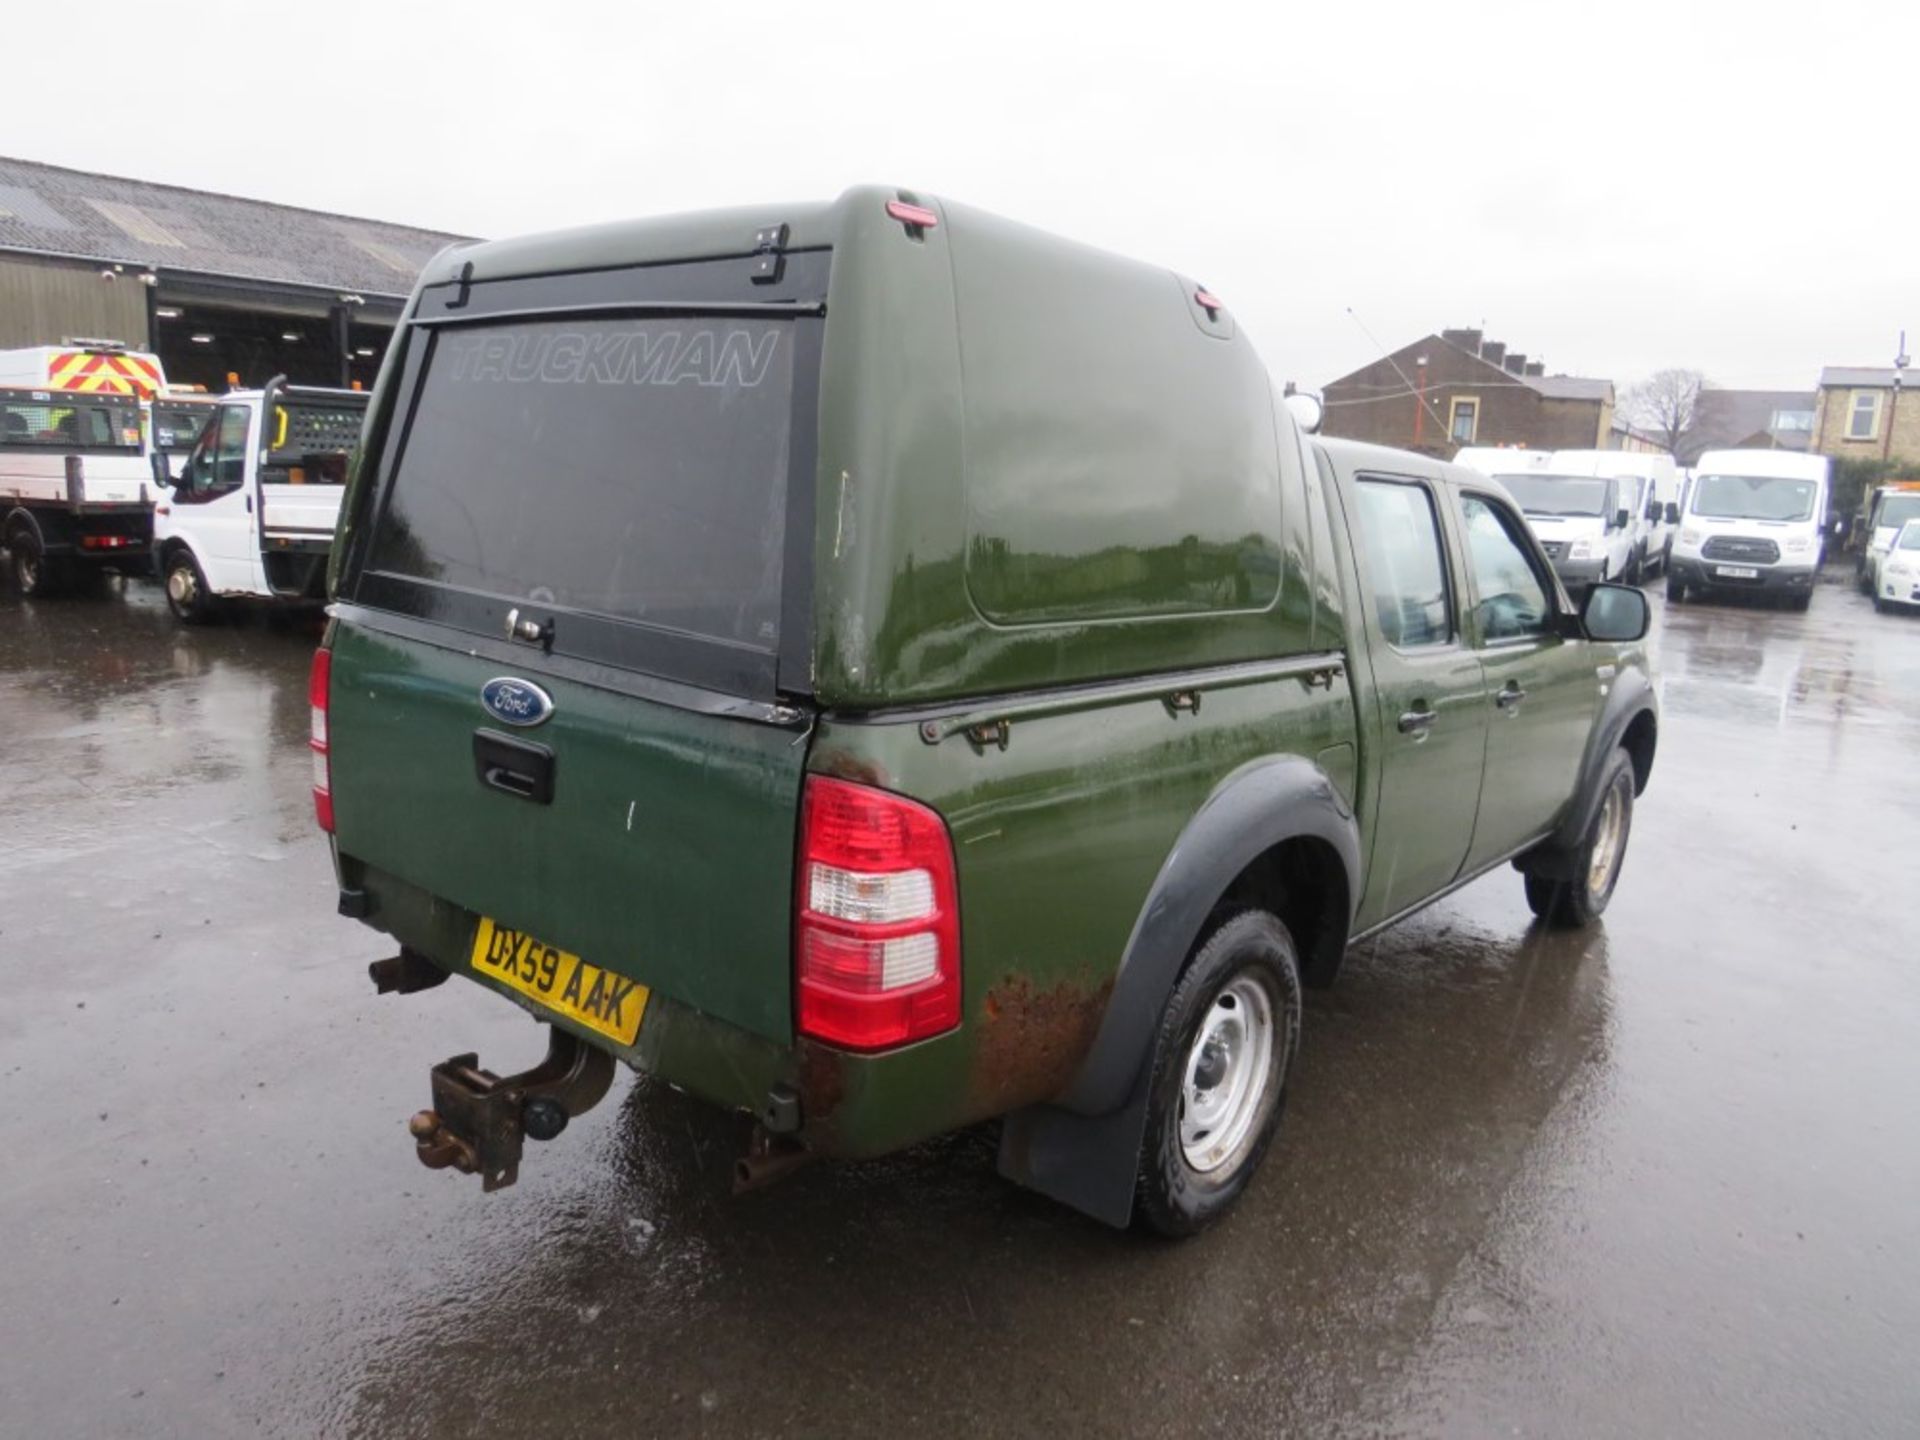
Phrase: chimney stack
pixel 1492 350
pixel 1538 367
pixel 1515 363
pixel 1467 340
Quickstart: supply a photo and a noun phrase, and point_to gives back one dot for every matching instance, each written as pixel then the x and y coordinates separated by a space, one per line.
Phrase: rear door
pixel 569 670
pixel 1430 723
pixel 1542 690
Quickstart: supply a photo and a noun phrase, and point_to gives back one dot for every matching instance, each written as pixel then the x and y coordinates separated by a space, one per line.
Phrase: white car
pixel 1897 578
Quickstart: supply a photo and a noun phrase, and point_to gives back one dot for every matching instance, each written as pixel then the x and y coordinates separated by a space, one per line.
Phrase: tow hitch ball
pixel 479 1119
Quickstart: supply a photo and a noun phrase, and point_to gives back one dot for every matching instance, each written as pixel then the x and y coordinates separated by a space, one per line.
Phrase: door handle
pixel 1416 722
pixel 514 767
pixel 1510 697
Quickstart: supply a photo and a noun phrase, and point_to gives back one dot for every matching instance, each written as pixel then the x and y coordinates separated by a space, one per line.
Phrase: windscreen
pixel 630 468
pixel 1896 510
pixel 1557 494
pixel 38 420
pixel 1909 536
pixel 176 427
pixel 1753 497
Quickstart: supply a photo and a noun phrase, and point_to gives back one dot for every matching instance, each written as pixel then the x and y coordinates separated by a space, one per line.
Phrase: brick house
pixel 1457 388
pixel 1867 413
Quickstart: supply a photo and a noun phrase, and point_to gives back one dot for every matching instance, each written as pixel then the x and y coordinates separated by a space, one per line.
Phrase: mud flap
pixel 1090 1162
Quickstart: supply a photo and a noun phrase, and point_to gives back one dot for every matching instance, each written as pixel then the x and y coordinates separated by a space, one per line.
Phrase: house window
pixel 1863 417
pixel 1792 422
pixel 1462 420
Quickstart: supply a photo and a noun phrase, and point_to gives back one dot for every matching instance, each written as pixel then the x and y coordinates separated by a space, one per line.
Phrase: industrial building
pixel 218 286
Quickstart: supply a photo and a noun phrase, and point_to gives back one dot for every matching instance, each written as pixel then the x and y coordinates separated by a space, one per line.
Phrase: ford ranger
pixel 882 668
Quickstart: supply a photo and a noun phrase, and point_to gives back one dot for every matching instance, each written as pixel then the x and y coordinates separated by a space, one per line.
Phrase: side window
pixel 230 460
pixel 1511 601
pixel 1406 566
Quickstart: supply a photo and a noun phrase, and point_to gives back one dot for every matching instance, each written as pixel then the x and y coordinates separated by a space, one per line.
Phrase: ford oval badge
pixel 516 701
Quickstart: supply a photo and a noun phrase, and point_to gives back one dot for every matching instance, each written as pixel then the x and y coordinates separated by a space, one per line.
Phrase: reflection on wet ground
pixel 1658 1178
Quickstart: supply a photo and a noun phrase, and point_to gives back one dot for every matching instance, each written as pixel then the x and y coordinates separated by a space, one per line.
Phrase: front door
pixel 1430 727
pixel 1542 692
pixel 214 503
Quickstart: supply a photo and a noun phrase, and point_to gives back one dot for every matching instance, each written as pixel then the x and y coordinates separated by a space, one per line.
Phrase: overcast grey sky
pixel 1611 188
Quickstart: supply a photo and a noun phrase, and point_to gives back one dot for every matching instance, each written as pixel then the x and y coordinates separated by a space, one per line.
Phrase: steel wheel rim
pixel 1233 1053
pixel 1606 843
pixel 28 565
pixel 180 585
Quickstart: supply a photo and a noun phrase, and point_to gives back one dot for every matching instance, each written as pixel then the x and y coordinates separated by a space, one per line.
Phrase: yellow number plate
pixel 598 999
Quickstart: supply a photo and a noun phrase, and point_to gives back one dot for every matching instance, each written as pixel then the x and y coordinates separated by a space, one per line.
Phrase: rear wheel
pixel 187 594
pixel 1225 1048
pixel 1573 903
pixel 33 572
pixel 1676 588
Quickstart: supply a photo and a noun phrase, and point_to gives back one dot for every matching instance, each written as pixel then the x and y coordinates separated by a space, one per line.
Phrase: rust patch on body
pixel 845 765
pixel 823 1082
pixel 1032 1040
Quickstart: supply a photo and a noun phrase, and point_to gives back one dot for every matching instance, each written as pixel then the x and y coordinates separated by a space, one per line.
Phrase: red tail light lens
pixel 877 943
pixel 319 688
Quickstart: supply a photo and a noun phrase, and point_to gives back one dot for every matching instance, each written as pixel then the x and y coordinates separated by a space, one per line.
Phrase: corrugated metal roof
pixel 103 217
pixel 1864 377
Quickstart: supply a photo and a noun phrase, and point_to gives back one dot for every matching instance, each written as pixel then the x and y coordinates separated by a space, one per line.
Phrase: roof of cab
pixel 1790 464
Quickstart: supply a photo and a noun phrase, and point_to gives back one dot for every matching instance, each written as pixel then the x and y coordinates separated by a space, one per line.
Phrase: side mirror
pixel 162 475
pixel 1621 519
pixel 1653 511
pixel 1616 613
pixel 1673 513
pixel 1307 409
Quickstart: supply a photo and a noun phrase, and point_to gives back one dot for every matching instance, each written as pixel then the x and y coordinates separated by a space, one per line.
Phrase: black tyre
pixel 1225 1049
pixel 188 597
pixel 1676 589
pixel 34 573
pixel 1881 605
pixel 1801 602
pixel 1572 904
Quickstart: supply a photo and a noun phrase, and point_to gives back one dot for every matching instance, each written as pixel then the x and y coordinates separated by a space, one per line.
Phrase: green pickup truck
pixel 882 668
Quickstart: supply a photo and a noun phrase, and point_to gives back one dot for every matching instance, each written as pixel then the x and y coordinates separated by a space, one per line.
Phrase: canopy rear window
pixel 632 470
pixel 42 420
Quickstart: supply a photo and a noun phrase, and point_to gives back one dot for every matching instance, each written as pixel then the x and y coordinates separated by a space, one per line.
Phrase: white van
pixel 1755 520
pixel 251 513
pixel 1651 485
pixel 1497 460
pixel 1583 522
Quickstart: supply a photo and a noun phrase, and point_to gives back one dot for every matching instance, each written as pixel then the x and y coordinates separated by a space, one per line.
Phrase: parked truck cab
pixel 248 513
pixel 74 499
pixel 1754 522
pixel 883 668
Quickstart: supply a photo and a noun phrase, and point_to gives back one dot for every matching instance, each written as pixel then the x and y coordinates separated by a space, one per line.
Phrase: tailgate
pixel 665 853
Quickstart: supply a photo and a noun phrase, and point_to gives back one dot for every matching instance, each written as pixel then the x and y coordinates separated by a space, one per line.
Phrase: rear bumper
pixel 851 1106
pixel 1701 574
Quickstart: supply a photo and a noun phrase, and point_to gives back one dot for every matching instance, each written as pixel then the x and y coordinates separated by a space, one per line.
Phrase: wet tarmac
pixel 1661 1178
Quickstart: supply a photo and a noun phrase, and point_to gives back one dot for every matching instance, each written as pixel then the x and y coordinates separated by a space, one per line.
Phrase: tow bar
pixel 479 1120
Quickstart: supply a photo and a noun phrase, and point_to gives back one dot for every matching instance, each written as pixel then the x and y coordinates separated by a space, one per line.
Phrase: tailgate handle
pixel 516 767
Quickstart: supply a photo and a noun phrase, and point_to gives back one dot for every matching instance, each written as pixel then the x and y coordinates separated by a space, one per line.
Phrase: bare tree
pixel 1665 404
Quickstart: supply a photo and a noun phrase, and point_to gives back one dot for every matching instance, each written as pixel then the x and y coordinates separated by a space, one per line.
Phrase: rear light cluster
pixel 108 542
pixel 877 944
pixel 319 687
